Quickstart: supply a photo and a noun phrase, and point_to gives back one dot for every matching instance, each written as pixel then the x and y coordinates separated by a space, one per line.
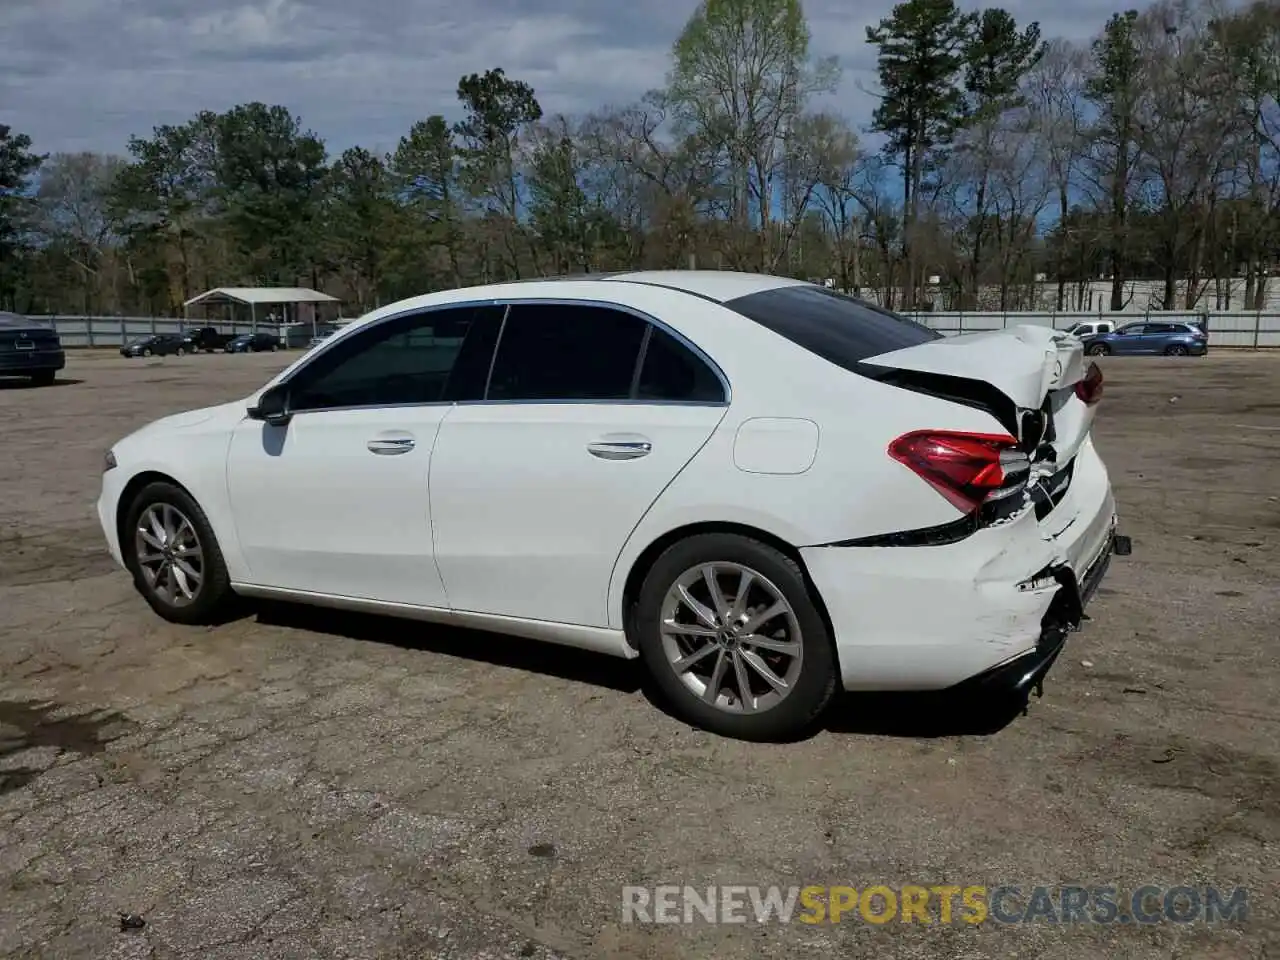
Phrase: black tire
pixel 44 378
pixel 147 352
pixel 214 596
pixel 814 687
pixel 275 347
pixel 1176 350
pixel 1097 349
pixel 181 352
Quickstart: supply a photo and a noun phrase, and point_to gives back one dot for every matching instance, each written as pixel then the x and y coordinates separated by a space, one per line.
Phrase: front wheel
pixel 173 555
pixel 1176 350
pixel 1098 349
pixel 181 352
pixel 275 347
pixel 732 637
pixel 147 352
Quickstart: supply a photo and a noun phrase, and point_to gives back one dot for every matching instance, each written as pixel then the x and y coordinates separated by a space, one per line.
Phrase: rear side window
pixel 566 352
pixel 671 371
pixel 837 328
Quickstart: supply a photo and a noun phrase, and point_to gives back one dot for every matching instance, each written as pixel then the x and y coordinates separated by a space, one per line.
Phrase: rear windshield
pixel 837 328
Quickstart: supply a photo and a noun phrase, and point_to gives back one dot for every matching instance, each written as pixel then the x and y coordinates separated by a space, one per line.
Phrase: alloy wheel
pixel 169 554
pixel 731 637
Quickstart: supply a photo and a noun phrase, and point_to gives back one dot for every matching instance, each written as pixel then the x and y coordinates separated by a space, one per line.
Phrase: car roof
pixel 718 285
pixel 15 321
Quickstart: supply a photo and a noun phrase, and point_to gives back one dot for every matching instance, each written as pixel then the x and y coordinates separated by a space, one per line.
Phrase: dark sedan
pixel 254 343
pixel 29 349
pixel 1168 338
pixel 162 344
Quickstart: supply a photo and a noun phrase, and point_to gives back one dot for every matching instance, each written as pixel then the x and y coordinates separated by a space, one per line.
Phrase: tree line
pixel 1014 170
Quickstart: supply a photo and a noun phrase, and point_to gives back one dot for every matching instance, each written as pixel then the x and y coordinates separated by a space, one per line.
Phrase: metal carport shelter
pixel 256 297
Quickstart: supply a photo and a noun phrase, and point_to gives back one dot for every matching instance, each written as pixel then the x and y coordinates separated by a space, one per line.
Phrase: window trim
pixel 507 303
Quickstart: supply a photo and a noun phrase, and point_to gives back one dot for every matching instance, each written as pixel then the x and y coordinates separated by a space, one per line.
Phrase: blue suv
pixel 1170 338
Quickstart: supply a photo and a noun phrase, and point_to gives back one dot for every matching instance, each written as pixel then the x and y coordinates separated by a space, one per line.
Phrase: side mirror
pixel 273 407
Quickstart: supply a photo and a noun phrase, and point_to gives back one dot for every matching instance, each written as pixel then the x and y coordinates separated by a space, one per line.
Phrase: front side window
pixel 429 357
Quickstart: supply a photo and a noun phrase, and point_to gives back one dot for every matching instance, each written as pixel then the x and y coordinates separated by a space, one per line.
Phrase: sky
pixel 86 74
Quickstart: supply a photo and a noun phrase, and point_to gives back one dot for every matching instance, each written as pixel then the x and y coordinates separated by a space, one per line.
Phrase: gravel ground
pixel 304 784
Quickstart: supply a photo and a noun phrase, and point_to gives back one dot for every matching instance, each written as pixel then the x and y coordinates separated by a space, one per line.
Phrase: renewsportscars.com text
pixel 938 903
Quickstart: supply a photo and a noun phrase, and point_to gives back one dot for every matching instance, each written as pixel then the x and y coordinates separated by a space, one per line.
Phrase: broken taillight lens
pixel 966 468
pixel 1090 388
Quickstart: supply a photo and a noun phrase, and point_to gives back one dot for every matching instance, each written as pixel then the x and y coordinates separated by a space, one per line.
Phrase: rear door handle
pixel 620 446
pixel 390 446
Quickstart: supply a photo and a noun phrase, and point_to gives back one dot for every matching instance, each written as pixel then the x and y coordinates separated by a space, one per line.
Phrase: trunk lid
pixel 1024 363
pixel 1025 376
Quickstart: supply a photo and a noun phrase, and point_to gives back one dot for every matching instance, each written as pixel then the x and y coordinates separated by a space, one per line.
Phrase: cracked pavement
pixel 304 783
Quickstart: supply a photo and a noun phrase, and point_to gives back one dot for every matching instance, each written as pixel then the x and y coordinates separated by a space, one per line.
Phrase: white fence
pixel 117 331
pixel 1249 330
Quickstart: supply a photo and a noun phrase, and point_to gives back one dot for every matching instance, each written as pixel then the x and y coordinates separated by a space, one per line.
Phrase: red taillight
pixel 1090 388
pixel 963 467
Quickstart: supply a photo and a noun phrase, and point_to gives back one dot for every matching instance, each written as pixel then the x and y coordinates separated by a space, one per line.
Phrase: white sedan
pixel 764 489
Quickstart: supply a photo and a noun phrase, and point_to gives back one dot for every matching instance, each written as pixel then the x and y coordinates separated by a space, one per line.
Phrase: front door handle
pixel 390 446
pixel 625 446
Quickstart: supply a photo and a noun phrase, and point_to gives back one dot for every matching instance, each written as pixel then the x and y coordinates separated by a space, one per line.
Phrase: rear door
pixel 590 412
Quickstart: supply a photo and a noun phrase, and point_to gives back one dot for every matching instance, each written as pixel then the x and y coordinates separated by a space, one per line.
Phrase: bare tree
pixel 74 200
pixel 1055 97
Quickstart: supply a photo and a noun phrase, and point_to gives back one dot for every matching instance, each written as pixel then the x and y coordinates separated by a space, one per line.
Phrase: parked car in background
pixel 1089 328
pixel 29 349
pixel 660 465
pixel 1169 338
pixel 206 339
pixel 159 345
pixel 253 343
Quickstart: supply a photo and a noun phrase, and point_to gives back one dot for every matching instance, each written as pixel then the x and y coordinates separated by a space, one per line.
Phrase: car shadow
pixel 565 663
pixel 921 716
pixel 19 382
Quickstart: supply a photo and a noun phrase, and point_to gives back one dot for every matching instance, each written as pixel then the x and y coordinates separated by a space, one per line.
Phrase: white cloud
pixel 86 74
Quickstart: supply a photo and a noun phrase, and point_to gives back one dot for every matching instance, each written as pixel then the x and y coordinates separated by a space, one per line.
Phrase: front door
pixel 336 501
pixel 590 413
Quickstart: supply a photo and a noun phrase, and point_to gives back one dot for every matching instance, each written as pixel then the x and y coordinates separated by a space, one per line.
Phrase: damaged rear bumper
pixel 1022 674
pixel 932 617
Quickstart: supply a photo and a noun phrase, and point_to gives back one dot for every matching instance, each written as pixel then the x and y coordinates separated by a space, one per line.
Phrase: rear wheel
pixel 181 351
pixel 275 347
pixel 1098 349
pixel 730 634
pixel 1175 350
pixel 43 378
pixel 173 555
pixel 146 351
